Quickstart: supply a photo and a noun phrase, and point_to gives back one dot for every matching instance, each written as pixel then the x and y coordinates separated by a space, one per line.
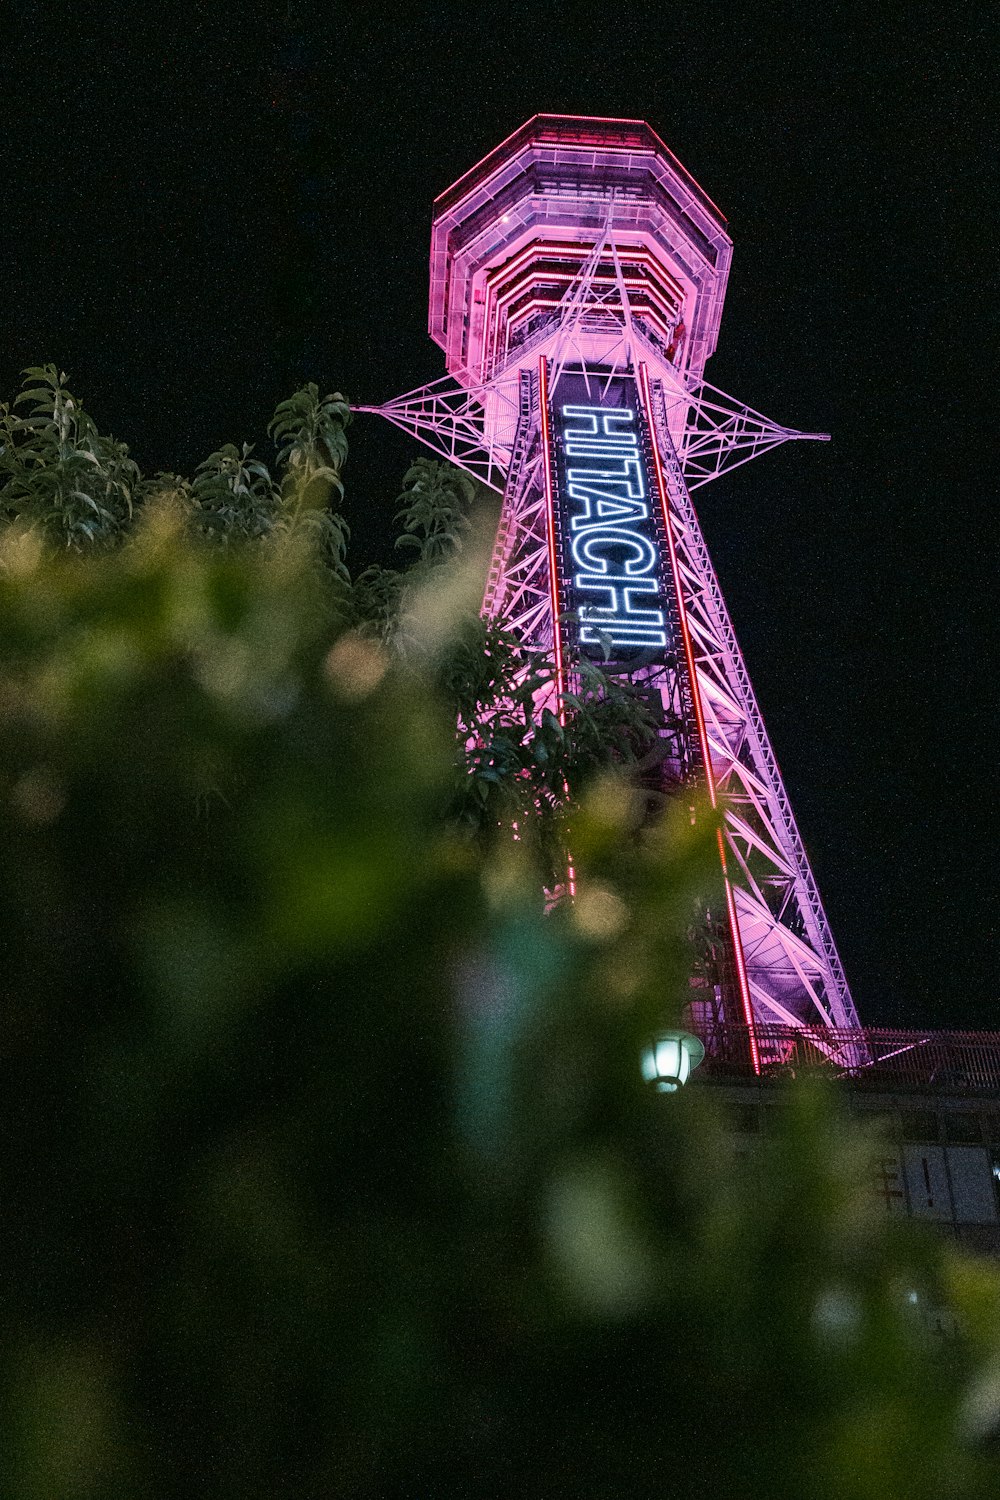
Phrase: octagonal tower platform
pixel 512 234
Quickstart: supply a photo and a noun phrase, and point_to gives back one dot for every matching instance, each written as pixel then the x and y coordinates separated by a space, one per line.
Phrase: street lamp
pixel 669 1060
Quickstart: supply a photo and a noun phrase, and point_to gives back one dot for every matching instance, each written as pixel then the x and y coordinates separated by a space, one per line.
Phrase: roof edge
pixel 644 136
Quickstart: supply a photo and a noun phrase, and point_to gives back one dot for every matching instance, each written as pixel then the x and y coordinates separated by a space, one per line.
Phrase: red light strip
pixel 734 926
pixel 675 571
pixel 554 604
pixel 550 529
pixel 741 967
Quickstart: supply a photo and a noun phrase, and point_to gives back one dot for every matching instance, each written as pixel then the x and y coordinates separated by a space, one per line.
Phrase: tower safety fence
pixel 880 1059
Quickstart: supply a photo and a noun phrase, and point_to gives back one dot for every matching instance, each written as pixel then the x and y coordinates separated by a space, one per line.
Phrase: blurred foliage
pixel 327 1167
pixel 522 753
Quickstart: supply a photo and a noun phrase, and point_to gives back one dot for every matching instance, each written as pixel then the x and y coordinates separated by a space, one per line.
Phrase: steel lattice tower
pixel 577 281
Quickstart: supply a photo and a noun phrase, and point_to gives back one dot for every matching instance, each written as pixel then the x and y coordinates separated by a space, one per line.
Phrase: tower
pixel 577 280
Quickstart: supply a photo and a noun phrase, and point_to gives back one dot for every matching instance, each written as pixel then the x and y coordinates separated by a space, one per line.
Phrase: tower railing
pixel 880 1059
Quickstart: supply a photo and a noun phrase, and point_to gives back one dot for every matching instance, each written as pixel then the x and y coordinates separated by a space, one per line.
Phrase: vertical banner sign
pixel 610 549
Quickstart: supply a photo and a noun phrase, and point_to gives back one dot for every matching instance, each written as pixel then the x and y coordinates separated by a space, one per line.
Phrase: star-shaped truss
pixel 474 427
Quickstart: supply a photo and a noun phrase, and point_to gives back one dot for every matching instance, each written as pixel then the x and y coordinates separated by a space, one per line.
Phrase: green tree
pixel 311 436
pixel 525 751
pixel 436 498
pixel 56 470
pixel 59 475
pixel 327 1168
pixel 233 496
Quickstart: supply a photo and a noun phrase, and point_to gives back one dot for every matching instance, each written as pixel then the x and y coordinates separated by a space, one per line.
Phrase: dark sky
pixel 204 205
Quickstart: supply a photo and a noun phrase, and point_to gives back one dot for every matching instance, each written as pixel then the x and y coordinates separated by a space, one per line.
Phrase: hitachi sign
pixel 611 546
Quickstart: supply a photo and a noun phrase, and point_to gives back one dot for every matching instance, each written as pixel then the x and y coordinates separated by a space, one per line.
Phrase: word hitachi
pixel 612 538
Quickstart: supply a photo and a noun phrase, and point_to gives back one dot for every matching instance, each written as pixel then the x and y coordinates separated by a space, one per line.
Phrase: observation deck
pixel 510 236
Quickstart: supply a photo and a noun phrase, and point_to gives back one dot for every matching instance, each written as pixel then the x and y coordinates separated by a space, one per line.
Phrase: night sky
pixel 205 205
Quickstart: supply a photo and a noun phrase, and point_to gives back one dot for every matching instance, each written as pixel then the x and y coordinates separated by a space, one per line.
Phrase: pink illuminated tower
pixel 577 281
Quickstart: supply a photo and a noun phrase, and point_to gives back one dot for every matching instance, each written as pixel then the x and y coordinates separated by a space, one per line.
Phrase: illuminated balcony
pixel 511 234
